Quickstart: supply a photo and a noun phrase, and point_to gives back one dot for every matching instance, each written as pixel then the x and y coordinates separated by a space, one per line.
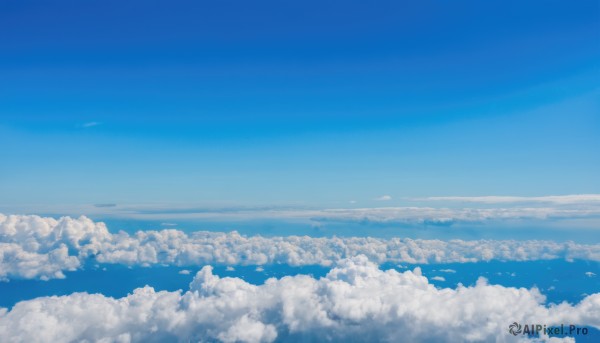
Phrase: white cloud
pixel 448 271
pixel 590 274
pixel 36 247
pixel 184 272
pixel 356 301
pixel 90 124
pixel 438 278
pixel 555 199
pixel 384 198
pixel 421 215
pixel 578 209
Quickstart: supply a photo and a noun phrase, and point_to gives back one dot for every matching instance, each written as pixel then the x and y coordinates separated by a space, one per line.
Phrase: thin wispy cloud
pixel 586 212
pixel 105 205
pixel 384 198
pixel 553 199
pixel 406 215
pixel 90 124
pixel 448 271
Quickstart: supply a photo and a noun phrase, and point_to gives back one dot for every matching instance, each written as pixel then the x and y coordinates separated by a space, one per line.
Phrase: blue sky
pixel 296 103
pixel 144 142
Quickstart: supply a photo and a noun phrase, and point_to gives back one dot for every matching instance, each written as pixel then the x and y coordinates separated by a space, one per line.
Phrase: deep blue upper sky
pixel 312 102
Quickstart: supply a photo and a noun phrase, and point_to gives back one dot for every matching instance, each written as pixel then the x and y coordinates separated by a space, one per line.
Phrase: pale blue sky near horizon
pixel 303 103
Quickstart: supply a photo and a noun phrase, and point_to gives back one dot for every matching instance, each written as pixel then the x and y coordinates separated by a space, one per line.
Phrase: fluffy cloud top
pixel 356 301
pixel 36 247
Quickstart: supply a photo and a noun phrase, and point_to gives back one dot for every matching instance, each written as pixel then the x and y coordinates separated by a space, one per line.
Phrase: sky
pixel 306 103
pixel 280 171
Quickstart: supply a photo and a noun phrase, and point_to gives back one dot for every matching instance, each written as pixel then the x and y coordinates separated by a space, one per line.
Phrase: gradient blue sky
pixel 296 102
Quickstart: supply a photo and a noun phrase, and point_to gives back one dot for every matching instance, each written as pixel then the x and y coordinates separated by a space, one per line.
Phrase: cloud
pixel 590 274
pixel 447 216
pixel 355 301
pixel 554 199
pixel 384 198
pixel 565 211
pixel 34 247
pixel 406 215
pixel 184 272
pixel 90 124
pixel 448 271
pixel 105 205
pixel 438 278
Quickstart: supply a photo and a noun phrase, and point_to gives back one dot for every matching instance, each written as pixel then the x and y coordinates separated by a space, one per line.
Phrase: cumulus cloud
pixel 36 247
pixel 355 302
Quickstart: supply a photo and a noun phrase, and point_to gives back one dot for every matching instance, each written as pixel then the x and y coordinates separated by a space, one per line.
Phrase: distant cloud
pixel 105 205
pixel 554 199
pixel 581 208
pixel 168 224
pixel 405 215
pixel 184 272
pixel 384 198
pixel 438 278
pixel 90 124
pixel 590 274
pixel 355 302
pixel 448 271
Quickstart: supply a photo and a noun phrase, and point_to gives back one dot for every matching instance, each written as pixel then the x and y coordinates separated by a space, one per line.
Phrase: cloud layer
pixel 38 247
pixel 580 199
pixel 355 302
pixel 563 210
